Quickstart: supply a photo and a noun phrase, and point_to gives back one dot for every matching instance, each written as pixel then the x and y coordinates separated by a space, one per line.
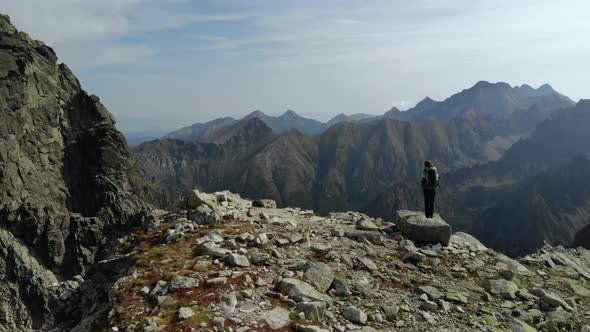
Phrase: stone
pixel 216 281
pixel 365 237
pixel 310 328
pixel 277 318
pixel 558 320
pixel 413 257
pixel 464 239
pixel 218 322
pixel 416 227
pixel 321 276
pixel 320 248
pixel 502 288
pixel 313 311
pixel 340 287
pixel 185 313
pixel 236 260
pixel 456 298
pixel 259 258
pixel 229 302
pixel 203 215
pixel 432 293
pixel 430 306
pixel 516 325
pixel 301 291
pixel 367 263
pixel 392 312
pixel 427 317
pixel 180 282
pixel 365 224
pixel 264 203
pixel 354 315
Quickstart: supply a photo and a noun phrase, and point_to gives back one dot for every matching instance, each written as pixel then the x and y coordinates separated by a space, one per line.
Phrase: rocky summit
pixel 230 264
pixel 67 190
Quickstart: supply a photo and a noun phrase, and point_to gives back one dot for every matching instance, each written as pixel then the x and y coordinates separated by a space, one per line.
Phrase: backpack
pixel 432 178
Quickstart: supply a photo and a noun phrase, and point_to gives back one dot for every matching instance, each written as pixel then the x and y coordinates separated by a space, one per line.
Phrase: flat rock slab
pixel 416 227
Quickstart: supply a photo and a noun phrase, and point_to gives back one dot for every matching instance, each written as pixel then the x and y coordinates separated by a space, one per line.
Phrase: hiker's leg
pixel 432 203
pixel 425 192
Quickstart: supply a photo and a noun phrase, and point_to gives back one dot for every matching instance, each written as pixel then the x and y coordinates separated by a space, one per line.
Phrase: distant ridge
pixel 483 99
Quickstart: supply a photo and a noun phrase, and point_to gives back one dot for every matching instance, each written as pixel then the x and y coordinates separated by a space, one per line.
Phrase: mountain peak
pixel 254 114
pixel 290 114
pixel 546 88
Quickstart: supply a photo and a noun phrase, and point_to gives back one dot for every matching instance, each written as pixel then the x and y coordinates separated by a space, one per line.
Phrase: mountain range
pixel 372 164
pixel 521 107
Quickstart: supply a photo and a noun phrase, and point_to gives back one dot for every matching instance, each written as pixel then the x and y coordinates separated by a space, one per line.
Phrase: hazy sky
pixel 159 64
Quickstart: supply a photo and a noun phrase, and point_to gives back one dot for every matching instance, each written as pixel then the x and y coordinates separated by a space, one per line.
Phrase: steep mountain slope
pixel 281 124
pixel 198 130
pixel 67 185
pixel 350 118
pixel 484 98
pixel 248 158
pixel 513 206
pixel 289 120
pixel 550 207
pixel 344 168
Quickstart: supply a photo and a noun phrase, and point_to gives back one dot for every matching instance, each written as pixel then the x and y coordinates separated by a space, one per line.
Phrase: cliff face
pixel 67 185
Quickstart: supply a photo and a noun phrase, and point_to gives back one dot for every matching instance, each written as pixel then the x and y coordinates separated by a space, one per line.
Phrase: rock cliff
pixel 67 185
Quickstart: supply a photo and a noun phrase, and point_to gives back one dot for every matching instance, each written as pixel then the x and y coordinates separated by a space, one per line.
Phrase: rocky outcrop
pixel 67 187
pixel 314 273
pixel 418 228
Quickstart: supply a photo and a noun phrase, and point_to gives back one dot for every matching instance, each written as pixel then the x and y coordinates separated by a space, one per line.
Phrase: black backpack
pixel 431 180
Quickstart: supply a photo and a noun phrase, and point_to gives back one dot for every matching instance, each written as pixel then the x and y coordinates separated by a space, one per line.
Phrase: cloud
pixel 92 33
pixel 403 105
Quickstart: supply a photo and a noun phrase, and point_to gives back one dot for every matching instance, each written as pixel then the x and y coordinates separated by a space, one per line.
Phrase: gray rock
pixel 185 313
pixel 355 315
pixel 413 257
pixel 367 263
pixel 321 276
pixel 432 293
pixel 301 291
pixel 180 282
pixel 216 281
pixel 259 258
pixel 203 215
pixel 366 237
pixel 313 311
pixel 229 302
pixel 516 325
pixel 264 203
pixel 238 260
pixel 277 318
pixel 340 287
pixel 321 248
pixel 502 288
pixel 365 224
pixel 422 230
pixel 310 328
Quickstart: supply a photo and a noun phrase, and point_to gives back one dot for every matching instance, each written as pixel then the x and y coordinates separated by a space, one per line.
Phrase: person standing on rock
pixel 429 184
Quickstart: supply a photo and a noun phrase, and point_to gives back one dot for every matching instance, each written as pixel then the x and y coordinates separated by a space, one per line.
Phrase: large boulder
pixel 415 226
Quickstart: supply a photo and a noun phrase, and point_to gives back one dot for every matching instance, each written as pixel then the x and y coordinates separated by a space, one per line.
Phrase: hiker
pixel 429 184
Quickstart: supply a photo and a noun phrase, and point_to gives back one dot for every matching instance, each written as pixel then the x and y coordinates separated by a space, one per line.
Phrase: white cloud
pixel 87 33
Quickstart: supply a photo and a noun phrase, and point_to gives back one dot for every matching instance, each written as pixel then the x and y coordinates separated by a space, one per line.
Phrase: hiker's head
pixel 428 163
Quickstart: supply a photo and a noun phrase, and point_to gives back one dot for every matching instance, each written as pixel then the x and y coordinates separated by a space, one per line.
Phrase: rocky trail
pixel 230 264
